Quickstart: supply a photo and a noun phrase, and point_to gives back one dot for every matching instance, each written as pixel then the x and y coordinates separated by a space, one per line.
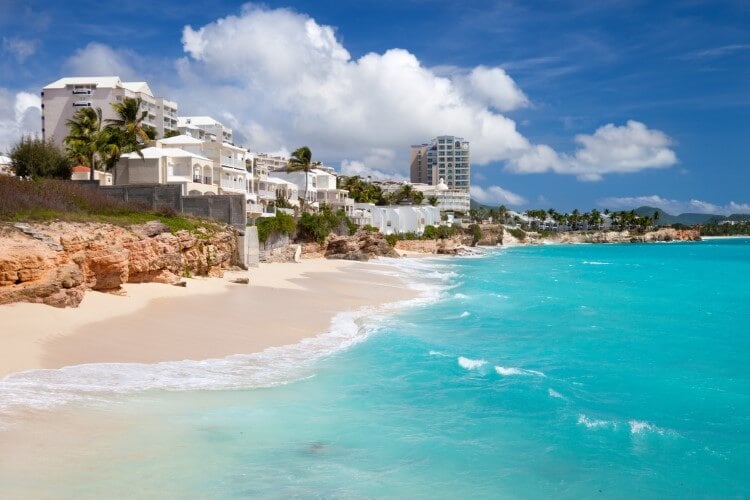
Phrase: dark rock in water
pixel 316 447
pixel 241 281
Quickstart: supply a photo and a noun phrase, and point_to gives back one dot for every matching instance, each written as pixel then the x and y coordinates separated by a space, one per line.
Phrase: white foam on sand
pixel 471 364
pixel 47 388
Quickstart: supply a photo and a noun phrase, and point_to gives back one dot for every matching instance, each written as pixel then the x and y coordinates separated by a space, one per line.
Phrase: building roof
pixel 109 82
pixel 180 139
pixel 183 121
pixel 152 152
pixel 79 169
pixel 276 180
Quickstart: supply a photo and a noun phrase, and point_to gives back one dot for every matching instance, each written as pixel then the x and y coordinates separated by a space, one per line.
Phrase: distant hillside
pixel 688 219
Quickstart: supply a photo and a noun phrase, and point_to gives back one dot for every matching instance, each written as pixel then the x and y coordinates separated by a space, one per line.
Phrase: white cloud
pixel 495 88
pixel 20 114
pixel 20 47
pixel 495 195
pixel 97 59
pixel 292 75
pixel 611 149
pixel 672 206
pixel 355 167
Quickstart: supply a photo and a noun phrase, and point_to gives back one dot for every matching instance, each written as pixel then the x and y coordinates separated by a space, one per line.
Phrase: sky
pixel 567 104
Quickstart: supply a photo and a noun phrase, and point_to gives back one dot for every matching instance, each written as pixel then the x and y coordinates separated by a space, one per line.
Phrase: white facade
pixel 229 170
pixel 204 128
pixel 166 165
pixel 62 98
pixel 398 219
pixel 320 188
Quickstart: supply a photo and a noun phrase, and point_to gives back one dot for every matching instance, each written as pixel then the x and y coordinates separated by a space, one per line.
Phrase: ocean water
pixel 616 371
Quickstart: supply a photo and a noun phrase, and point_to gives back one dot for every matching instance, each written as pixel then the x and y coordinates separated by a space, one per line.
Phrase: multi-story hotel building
pixel 446 157
pixel 62 98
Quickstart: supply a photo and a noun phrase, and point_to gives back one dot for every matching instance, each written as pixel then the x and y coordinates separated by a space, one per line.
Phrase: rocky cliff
pixel 447 246
pixel 361 246
pixel 662 234
pixel 55 263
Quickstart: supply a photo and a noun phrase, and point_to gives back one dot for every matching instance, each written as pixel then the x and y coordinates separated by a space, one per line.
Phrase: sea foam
pixel 506 372
pixel 471 364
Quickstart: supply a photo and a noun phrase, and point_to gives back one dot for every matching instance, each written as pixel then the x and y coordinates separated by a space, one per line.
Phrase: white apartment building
pixel 445 157
pixel 5 165
pixel 62 98
pixel 204 128
pixel 228 162
pixel 168 165
pixel 319 189
pixel 448 200
pixel 271 163
pixel 397 219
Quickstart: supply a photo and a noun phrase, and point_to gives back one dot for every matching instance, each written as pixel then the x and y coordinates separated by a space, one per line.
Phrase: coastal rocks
pixel 658 235
pixel 361 246
pixel 447 246
pixel 103 257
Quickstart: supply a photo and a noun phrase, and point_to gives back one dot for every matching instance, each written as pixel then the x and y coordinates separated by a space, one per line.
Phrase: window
pixel 80 104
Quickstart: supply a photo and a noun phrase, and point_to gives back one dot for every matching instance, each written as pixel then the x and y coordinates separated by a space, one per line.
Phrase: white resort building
pixel 62 98
pixel 165 165
pixel 204 128
pixel 320 188
pixel 397 219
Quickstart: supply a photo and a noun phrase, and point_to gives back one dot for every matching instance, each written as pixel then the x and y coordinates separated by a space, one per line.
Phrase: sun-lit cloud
pixel 97 59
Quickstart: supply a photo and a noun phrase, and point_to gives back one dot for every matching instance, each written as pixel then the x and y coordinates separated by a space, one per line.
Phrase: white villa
pixel 319 189
pixel 396 219
pixel 164 165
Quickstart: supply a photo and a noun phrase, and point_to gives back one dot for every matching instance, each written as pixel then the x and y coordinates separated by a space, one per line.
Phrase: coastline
pixel 210 318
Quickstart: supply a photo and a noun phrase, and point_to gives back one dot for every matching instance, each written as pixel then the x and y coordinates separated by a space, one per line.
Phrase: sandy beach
pixel 210 318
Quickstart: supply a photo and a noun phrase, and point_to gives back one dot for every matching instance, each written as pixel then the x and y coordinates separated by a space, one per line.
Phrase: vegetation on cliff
pixel 51 199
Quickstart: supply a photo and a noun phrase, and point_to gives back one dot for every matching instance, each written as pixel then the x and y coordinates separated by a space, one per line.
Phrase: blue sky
pixel 666 84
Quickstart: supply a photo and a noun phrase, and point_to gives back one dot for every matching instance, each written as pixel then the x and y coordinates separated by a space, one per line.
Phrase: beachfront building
pixel 269 190
pixel 445 157
pixel 271 162
pixel 448 200
pixel 168 165
pixel 396 219
pixel 229 173
pixel 204 128
pixel 319 188
pixel 62 98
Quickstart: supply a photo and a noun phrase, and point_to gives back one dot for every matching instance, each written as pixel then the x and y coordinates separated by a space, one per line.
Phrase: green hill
pixel 688 219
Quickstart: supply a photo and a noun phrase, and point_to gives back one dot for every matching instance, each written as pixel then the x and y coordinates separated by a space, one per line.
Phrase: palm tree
pixel 130 122
pixel 85 138
pixel 301 161
pixel 503 213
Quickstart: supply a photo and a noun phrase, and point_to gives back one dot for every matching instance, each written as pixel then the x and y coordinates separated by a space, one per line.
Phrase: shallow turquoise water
pixel 559 371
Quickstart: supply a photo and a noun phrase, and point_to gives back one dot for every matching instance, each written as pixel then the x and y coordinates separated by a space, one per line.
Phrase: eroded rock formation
pixel 55 263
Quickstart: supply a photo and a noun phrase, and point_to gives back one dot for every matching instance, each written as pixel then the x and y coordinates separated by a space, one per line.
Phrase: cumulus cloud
pixel 96 59
pixel 293 75
pixel 611 149
pixel 20 114
pixel 495 195
pixel 21 48
pixel 494 87
pixel 672 206
pixel 356 167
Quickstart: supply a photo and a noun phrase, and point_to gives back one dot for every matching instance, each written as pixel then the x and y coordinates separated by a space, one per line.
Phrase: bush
pixel 517 234
pixel 282 223
pixel 476 234
pixel 391 239
pixel 430 233
pixel 36 158
pixel 316 227
pixel 370 229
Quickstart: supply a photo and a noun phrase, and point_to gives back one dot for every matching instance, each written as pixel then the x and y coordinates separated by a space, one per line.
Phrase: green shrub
pixel 36 158
pixel 316 227
pixel 370 229
pixel 518 234
pixel 430 233
pixel 282 223
pixel 476 234
pixel 391 239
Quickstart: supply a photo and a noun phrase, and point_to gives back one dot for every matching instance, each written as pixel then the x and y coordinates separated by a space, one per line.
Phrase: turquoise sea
pixel 613 371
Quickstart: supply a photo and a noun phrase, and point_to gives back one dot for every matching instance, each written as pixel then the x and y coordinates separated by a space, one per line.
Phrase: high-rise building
pixel 62 98
pixel 446 157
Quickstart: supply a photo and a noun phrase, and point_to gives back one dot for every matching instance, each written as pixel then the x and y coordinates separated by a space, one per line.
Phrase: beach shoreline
pixel 210 318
